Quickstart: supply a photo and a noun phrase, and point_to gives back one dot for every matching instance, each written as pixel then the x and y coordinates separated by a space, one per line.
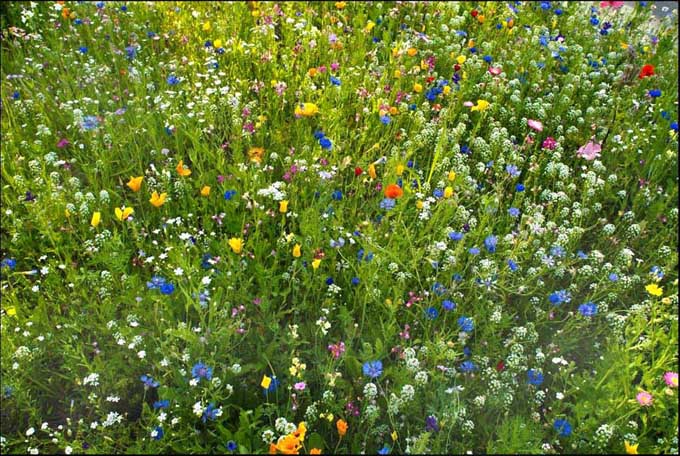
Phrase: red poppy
pixel 474 13
pixel 358 171
pixel 500 366
pixel 430 79
pixel 647 70
pixel 393 191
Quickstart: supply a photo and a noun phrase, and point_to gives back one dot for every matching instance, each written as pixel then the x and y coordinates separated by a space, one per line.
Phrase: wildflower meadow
pixel 339 227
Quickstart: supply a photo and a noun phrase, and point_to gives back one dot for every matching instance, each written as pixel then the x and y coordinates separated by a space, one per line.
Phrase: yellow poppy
pixel 297 251
pixel 631 449
pixel 306 109
pixel 205 191
pixel 158 200
pixel 316 263
pixel 266 381
pixel 654 290
pixel 481 106
pixel 182 170
pixel 96 218
pixel 283 206
pixel 123 214
pixel 236 245
pixel 135 183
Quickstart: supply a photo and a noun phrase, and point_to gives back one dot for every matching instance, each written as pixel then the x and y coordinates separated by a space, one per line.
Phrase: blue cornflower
pixel 83 49
pixel 589 309
pixel 335 81
pixel 172 80
pixel 272 386
pixel 559 297
pixel 466 324
pixel 438 193
pixel 131 52
pixel 490 243
pixel 337 195
pixel 513 212
pixel 385 119
pixel 473 251
pixel 10 263
pixel 90 123
pixel 326 143
pixel 329 281
pixel 16 95
pixel 558 11
pixel 319 134
pixel 211 413
pixel 156 282
pixel 123 8
pixel 387 204
pixel 656 271
pixel 161 404
pixel 231 446
pixel 654 93
pixel 200 370
pixel 455 236
pixel 512 170
pixel 535 377
pixel 438 288
pixel 582 255
pixel 519 187
pixel 167 288
pixel 208 44
pixel 613 277
pixel 545 5
pixel 563 427
pixel 373 369
pixel 149 382
pixel 513 266
pixel 594 20
pixel 384 450
pixel 432 313
pixel 157 433
pixel 355 281
pixel 99 5
pixel 448 305
pixel 467 366
pixel 229 194
pixel 557 251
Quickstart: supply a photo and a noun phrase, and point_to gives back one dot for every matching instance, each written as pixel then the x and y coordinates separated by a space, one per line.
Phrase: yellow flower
pixel 207 26
pixel 205 191
pixel 480 18
pixel 452 175
pixel 301 431
pixel 342 427
pixel 297 251
pixel 312 72
pixel 370 25
pixel 266 381
pixel 631 449
pixel 255 154
pixel 236 245
pixel 461 59
pixel 288 444
pixel 135 183
pixel 419 204
pixel 624 45
pixel 183 170
pixel 306 109
pixel 417 87
pixel 315 451
pixel 481 106
pixel 217 43
pixel 12 311
pixel 96 218
pixel 446 89
pixel 397 73
pixel 654 290
pixel 448 192
pixel 394 436
pixel 123 214
pixel 400 170
pixel 412 51
pixel 423 65
pixel 316 263
pixel 158 200
pixel 371 171
pixel 283 206
pixel 67 213
pixel 340 5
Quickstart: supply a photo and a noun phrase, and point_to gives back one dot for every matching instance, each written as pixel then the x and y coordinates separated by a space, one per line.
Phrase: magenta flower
pixel 644 398
pixel 590 151
pixel 535 124
pixel 615 5
pixel 495 70
pixel 63 142
pixel 671 379
pixel 300 386
pixel 549 143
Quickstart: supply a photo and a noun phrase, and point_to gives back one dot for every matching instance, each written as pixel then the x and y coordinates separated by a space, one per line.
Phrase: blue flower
pixel 513 266
pixel 149 382
pixel 431 424
pixel 438 193
pixel 273 385
pixel 167 288
pixel 467 366
pixel 335 81
pixel 432 313
pixel 200 370
pixel 161 404
pixel 158 433
pixel 172 80
pixel 448 305
pixel 384 450
pixel 319 134
pixel 558 297
pixel 156 282
pixel 131 52
pixel 231 446
pixel 355 281
pixel 474 251
pixel 535 377
pixel 512 170
pixel 83 49
pixel 466 324
pixel 326 143
pixel 545 5
pixel 588 309
pixel 90 123
pixel 557 251
pixel 337 195
pixel 613 277
pixel 229 194
pixel 373 369
pixel 513 212
pixel 387 204
pixel 563 427
pixel 490 243
pixel 519 187
pixel 10 263
pixel 654 93
pixel 582 255
pixel 385 119
pixel 455 236
pixel 211 413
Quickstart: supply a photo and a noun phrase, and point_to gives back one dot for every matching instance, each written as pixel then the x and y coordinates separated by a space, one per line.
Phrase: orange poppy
pixel 393 191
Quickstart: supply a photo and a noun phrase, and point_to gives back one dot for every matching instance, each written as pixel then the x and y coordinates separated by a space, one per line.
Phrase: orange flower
pixel 158 200
pixel 315 451
pixel 342 427
pixel 135 183
pixel 205 191
pixel 371 171
pixel 272 448
pixel 65 12
pixel 182 170
pixel 393 191
pixel 255 154
pixel 289 445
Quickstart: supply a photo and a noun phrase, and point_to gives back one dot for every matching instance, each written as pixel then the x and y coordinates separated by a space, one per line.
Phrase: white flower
pixel 30 432
pixel 178 271
pixel 198 409
pixel 141 354
pixel 193 381
pixel 68 450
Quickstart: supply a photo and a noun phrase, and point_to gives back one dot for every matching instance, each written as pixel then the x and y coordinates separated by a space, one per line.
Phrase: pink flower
pixel 63 142
pixel 468 104
pixel 671 379
pixel 495 70
pixel 300 386
pixel 549 143
pixel 615 5
pixel 535 124
pixel 590 151
pixel 644 398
